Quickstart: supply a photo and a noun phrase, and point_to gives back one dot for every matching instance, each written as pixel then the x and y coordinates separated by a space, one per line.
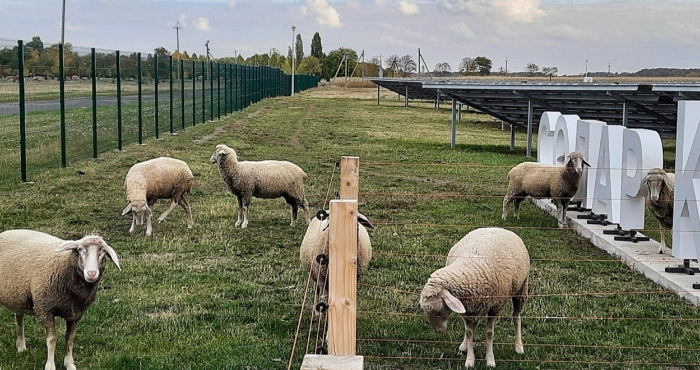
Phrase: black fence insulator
pixel 321 307
pixel 337 165
pixel 321 214
pixel 322 259
pixel 321 350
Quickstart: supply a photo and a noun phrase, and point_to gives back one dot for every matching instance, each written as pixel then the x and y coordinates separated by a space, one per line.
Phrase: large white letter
pixel 545 137
pixel 641 151
pixel 588 134
pixel 565 136
pixel 607 191
pixel 686 219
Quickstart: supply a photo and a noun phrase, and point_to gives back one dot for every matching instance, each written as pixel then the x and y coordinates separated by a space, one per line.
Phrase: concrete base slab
pixel 642 256
pixel 328 362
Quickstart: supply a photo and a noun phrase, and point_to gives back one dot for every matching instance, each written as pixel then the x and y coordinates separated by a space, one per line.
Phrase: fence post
pixel 93 71
pixel 22 114
pixel 204 94
pixel 218 91
pixel 139 92
pixel 226 89
pixel 170 82
pixel 194 93
pixel 182 92
pixel 211 91
pixel 119 103
pixel 155 74
pixel 62 102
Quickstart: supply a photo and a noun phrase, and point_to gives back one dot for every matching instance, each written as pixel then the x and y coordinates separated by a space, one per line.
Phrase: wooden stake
pixel 342 278
pixel 349 177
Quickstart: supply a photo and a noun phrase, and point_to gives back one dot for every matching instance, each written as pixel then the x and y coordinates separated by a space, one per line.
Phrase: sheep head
pixel 91 250
pixel 438 303
pixel 139 208
pixel 655 181
pixel 574 160
pixel 222 151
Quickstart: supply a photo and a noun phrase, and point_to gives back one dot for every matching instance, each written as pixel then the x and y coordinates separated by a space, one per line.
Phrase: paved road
pixel 35 106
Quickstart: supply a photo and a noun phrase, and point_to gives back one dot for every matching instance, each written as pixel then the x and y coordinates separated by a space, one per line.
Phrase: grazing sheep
pixel 660 200
pixel 155 179
pixel 539 180
pixel 483 270
pixel 261 179
pixel 45 276
pixel 316 241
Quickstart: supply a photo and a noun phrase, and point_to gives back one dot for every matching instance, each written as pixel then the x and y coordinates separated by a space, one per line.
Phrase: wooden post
pixel 342 278
pixel 349 177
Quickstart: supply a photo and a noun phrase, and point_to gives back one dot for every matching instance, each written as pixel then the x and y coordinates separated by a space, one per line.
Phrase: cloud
pixel 354 4
pixel 379 2
pixel 525 11
pixel 202 24
pixel 232 4
pixel 326 15
pixel 462 30
pixel 408 8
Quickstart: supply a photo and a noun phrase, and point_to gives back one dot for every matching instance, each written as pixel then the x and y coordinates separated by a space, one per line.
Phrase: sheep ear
pixel 364 221
pixel 148 210
pixel 68 245
pixel 585 163
pixel 126 210
pixel 452 302
pixel 560 158
pixel 112 255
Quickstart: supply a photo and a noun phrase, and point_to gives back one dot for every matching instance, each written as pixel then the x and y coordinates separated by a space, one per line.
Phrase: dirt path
pixel 232 126
pixel 294 140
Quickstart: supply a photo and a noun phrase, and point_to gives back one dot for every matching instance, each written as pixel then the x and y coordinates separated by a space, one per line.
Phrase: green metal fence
pixel 70 103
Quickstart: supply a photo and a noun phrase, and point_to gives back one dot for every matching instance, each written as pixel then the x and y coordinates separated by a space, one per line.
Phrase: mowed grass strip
pixel 217 297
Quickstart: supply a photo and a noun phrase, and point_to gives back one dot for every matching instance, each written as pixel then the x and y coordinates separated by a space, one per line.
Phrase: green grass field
pixel 217 297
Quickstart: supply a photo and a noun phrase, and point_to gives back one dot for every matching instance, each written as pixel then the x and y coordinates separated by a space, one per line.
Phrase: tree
pixel 441 69
pixel 392 64
pixel 310 65
pixel 316 48
pixel 407 65
pixel 550 71
pixel 36 44
pixel 299 52
pixel 467 66
pixel 331 63
pixel 483 65
pixel 161 51
pixel 532 68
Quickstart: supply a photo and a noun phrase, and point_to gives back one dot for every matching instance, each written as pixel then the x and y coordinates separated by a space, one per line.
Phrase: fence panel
pixel 9 111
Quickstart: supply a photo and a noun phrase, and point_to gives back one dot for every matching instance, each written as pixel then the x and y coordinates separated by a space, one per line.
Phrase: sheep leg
pixel 662 246
pixel 21 344
pixel 186 205
pixel 173 204
pixel 246 203
pixel 516 207
pixel 490 325
pixel 133 223
pixel 149 225
pixel 50 324
pixel 468 342
pixel 70 336
pixel 239 221
pixel 518 303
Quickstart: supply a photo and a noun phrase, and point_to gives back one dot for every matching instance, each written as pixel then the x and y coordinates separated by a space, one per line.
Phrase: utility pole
pixel 608 69
pixel 293 57
pixel 63 22
pixel 177 29
pixel 586 75
pixel 419 63
pixel 206 44
pixel 506 65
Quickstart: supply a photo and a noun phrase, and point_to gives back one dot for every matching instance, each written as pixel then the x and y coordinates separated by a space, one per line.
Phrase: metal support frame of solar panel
pixel 651 106
pixel 415 88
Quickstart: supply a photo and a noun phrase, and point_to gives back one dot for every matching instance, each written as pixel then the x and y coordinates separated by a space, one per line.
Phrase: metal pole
pixel 204 94
pixel 405 104
pixel 419 63
pixel 512 137
pixel 378 88
pixel 22 114
pixel 119 103
pixel 453 140
pixel 624 114
pixel 155 63
pixel 63 21
pixel 529 128
pixel 226 85
pixel 211 91
pixel 62 102
pixel 139 92
pixel 293 57
pixel 459 117
pixel 93 70
pixel 182 92
pixel 170 82
pixel 218 90
pixel 194 93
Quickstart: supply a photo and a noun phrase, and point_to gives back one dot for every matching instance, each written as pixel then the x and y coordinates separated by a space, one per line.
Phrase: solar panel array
pixel 650 106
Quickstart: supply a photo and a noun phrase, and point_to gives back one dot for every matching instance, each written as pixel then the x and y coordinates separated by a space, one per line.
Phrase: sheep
pixel 45 276
pixel 539 180
pixel 660 200
pixel 155 179
pixel 484 269
pixel 316 241
pixel 260 179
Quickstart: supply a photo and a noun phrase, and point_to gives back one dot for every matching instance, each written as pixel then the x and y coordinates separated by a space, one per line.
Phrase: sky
pixel 572 35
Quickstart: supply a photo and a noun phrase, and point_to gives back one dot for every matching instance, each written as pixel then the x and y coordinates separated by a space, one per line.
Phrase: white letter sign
pixel 686 219
pixel 545 137
pixel 641 151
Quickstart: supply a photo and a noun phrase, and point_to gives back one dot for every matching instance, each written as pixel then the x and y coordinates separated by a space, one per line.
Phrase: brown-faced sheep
pixel 485 269
pixel 539 180
pixel 261 179
pixel 660 199
pixel 45 276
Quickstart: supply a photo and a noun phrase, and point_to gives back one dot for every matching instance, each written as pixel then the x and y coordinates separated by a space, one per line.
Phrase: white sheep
pixel 660 199
pixel 155 179
pixel 45 276
pixel 316 241
pixel 484 269
pixel 261 179
pixel 539 180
